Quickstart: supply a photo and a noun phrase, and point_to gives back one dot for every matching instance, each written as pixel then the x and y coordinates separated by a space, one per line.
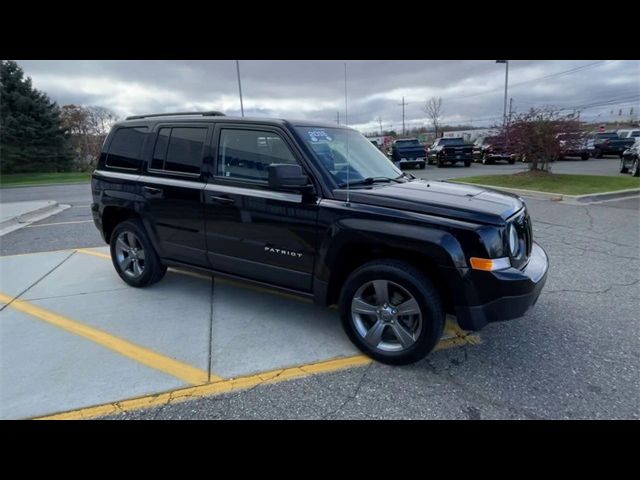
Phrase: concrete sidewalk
pixel 15 215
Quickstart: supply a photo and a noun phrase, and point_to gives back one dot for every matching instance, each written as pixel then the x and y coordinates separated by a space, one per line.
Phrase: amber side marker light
pixel 489 264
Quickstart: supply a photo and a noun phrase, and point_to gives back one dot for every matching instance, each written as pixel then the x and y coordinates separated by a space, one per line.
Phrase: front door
pixel 251 230
pixel 173 187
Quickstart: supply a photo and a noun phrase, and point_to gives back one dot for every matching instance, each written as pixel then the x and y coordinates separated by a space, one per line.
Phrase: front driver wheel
pixel 133 256
pixel 635 169
pixel 391 311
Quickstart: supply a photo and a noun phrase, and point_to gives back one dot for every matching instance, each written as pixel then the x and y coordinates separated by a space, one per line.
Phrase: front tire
pixel 133 255
pixel 584 156
pixel 635 168
pixel 598 154
pixel 391 311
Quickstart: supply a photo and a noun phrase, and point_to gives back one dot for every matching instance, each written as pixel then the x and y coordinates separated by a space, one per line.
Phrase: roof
pixel 205 117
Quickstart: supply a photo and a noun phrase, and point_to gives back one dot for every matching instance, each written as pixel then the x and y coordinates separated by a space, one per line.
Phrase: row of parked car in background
pixel 411 153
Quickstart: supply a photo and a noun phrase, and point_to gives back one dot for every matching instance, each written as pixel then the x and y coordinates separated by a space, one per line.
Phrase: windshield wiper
pixel 369 181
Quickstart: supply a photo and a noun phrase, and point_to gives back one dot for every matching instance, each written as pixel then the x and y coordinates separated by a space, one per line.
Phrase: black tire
pixel 423 165
pixel 439 162
pixel 598 153
pixel 418 285
pixel 467 163
pixel 485 159
pixel 512 161
pixel 623 168
pixel 153 269
pixel 584 156
pixel 635 168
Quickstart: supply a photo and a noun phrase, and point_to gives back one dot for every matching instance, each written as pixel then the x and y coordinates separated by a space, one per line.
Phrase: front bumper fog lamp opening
pixel 489 264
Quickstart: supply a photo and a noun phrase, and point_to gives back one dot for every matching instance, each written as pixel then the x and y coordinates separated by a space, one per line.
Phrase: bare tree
pixel 87 127
pixel 433 109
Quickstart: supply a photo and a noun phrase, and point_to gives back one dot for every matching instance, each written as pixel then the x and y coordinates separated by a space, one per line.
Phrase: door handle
pixel 223 200
pixel 152 190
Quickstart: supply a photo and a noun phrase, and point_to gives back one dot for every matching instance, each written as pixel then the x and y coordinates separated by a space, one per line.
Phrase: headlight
pixel 514 244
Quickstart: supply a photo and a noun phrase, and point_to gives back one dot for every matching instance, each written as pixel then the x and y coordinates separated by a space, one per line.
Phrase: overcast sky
pixel 472 91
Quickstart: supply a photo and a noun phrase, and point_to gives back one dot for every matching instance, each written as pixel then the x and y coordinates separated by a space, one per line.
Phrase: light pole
pixel 239 87
pixel 506 84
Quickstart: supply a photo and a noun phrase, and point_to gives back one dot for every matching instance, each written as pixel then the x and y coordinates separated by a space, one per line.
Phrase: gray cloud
pixel 471 90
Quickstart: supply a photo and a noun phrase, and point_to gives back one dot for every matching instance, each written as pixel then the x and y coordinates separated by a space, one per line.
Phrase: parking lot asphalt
pixel 78 338
pixel 573 356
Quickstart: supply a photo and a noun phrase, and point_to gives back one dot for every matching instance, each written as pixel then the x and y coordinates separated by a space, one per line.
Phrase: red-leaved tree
pixel 537 136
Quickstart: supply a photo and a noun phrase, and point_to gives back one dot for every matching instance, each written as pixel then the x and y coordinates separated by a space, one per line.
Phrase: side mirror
pixel 288 177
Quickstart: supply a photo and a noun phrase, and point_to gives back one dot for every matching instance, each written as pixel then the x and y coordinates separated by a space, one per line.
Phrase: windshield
pixel 408 143
pixel 607 135
pixel 451 141
pixel 347 155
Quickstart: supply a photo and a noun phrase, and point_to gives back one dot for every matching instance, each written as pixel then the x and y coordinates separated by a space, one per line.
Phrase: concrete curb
pixel 29 185
pixel 28 218
pixel 561 197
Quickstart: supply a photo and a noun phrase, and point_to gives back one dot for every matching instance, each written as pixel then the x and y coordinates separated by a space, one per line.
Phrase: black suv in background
pixel 317 210
pixel 450 150
pixel 490 149
pixel 608 143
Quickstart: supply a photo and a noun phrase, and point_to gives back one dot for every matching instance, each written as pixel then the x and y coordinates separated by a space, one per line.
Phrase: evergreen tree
pixel 31 139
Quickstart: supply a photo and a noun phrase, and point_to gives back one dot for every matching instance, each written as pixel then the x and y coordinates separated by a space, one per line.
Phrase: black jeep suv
pixel 319 211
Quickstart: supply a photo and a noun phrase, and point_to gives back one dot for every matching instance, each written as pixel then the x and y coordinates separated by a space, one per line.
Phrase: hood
pixel 462 202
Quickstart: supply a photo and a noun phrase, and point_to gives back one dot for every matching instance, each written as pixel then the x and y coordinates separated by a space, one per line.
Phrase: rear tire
pixel 623 167
pixel 371 303
pixel 584 156
pixel 133 255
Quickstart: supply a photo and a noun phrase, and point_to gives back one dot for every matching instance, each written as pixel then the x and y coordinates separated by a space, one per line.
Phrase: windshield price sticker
pixel 317 135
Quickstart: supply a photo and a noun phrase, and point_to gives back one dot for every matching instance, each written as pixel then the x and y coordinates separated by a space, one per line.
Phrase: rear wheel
pixel 623 167
pixel 391 311
pixel 584 156
pixel 635 168
pixel 133 256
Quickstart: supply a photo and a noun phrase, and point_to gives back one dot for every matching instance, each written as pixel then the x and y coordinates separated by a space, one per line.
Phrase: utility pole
pixel 338 118
pixel 346 114
pixel 239 87
pixel 380 122
pixel 506 84
pixel 403 104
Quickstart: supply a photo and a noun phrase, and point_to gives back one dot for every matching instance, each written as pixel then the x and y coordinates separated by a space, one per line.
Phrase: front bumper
pixel 519 289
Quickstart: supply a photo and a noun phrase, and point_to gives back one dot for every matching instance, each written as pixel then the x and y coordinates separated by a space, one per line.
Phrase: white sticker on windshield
pixel 317 135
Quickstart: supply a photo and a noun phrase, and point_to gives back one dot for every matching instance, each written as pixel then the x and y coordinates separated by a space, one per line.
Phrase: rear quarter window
pixel 125 148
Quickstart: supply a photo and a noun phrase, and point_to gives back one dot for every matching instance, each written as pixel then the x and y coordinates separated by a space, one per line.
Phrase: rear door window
pixel 179 150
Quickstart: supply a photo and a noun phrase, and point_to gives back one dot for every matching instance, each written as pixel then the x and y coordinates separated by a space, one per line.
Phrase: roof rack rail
pixel 212 113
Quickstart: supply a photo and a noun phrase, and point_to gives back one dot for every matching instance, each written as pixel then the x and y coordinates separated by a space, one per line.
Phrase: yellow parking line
pixel 94 253
pixel 140 354
pixel 57 223
pixel 215 388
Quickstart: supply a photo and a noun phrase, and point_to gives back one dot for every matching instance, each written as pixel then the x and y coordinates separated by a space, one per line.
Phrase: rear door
pixel 173 188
